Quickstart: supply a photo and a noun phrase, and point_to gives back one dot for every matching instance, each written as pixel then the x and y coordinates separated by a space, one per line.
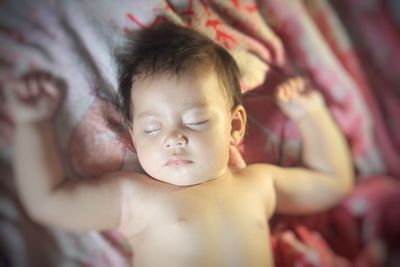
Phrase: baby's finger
pixel 20 89
pixel 281 92
pixel 50 89
pixel 292 83
pixel 301 85
pixel 33 87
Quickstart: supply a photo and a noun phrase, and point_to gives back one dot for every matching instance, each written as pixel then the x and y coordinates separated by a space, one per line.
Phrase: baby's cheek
pixel 146 162
pixel 216 150
pixel 139 147
pixel 144 152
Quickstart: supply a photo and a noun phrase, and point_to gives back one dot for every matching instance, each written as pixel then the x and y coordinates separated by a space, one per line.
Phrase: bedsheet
pixel 349 50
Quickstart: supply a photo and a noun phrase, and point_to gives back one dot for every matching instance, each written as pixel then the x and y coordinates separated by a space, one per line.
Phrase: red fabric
pixel 363 230
pixel 348 49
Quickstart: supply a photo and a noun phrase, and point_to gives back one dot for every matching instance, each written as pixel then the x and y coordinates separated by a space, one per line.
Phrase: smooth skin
pixel 191 208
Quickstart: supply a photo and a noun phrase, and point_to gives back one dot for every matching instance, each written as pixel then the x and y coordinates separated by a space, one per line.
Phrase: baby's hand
pixel 295 101
pixel 33 98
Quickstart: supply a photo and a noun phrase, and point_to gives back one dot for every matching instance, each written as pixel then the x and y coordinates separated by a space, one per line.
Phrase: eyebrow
pixel 192 106
pixel 149 113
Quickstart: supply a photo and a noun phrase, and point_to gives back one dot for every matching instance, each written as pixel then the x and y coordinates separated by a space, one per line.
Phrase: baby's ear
pixel 238 124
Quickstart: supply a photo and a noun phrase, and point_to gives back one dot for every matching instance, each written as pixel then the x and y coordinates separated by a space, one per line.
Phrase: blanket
pixel 348 50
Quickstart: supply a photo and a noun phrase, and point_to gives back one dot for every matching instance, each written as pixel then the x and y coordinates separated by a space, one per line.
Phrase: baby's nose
pixel 175 140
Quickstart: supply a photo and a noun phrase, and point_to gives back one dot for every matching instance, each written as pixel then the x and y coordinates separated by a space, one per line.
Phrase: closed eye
pixel 150 131
pixel 197 126
pixel 197 123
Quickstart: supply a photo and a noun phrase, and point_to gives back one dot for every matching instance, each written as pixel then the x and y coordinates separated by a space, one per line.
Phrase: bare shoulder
pixel 261 172
pixel 142 187
pixel 262 169
pixel 134 183
pixel 139 201
pixel 118 180
pixel 261 179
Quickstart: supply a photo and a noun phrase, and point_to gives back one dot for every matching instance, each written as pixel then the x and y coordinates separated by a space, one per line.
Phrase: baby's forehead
pixel 189 92
pixel 191 82
pixel 191 74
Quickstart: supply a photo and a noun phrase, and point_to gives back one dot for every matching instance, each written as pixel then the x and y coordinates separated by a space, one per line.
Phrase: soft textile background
pixel 349 50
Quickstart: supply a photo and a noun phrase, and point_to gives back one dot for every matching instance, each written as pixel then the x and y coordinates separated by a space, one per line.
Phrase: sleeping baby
pixel 181 100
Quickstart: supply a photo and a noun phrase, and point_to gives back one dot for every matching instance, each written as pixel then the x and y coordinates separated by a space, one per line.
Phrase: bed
pixel 348 50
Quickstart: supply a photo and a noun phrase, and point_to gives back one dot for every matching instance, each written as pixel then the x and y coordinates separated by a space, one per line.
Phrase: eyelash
pixel 189 124
pixel 197 123
pixel 150 131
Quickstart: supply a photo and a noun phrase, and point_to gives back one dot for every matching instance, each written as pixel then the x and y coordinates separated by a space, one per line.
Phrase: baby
pixel 181 101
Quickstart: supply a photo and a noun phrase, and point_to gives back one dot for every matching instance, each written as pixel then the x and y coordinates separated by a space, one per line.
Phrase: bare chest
pixel 205 227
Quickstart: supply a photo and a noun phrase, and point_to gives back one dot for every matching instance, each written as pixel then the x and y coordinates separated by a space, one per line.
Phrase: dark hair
pixel 171 49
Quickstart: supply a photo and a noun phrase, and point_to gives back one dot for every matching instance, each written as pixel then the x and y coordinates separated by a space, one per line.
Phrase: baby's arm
pixel 47 196
pixel 325 152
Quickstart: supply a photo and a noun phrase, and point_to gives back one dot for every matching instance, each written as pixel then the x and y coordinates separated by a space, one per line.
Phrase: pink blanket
pixel 349 51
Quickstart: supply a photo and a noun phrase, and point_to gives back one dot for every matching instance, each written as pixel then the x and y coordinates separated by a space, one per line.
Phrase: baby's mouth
pixel 176 161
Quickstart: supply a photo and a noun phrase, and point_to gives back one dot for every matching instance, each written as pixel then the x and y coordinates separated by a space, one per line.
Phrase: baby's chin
pixel 187 174
pixel 180 179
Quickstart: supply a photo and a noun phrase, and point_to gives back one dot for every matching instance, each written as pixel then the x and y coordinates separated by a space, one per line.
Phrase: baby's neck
pixel 225 176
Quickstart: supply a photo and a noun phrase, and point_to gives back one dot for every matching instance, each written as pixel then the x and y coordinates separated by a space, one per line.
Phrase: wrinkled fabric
pixel 348 50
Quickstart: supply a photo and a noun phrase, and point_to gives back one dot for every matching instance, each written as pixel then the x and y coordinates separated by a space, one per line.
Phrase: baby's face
pixel 181 128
